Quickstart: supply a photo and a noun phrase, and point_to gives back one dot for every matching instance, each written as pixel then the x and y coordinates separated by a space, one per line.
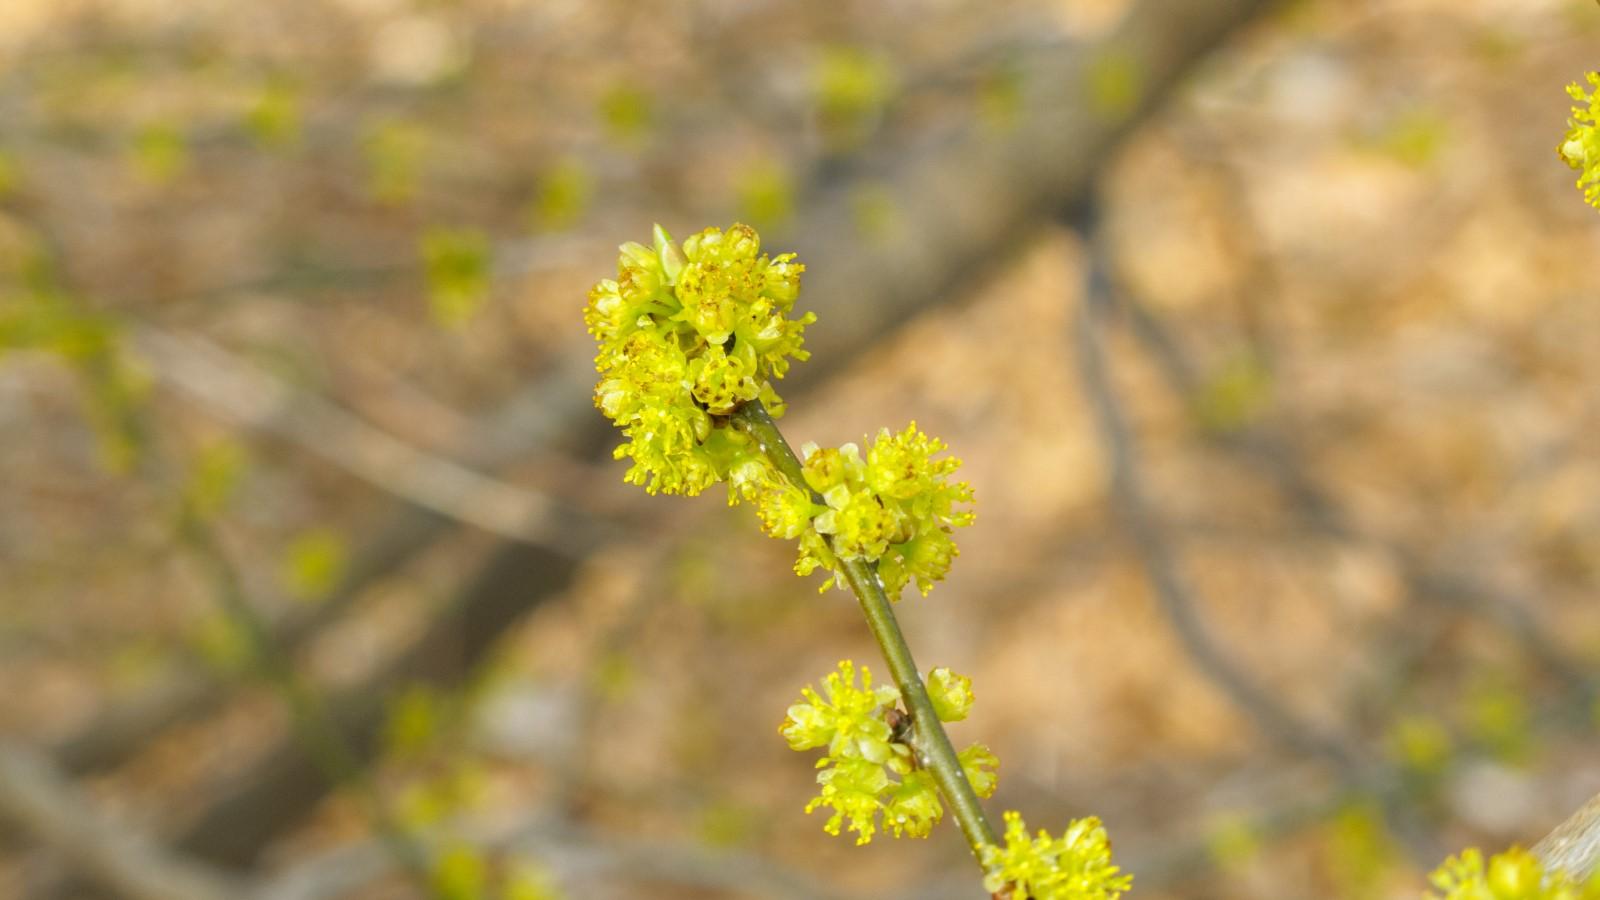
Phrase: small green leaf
pixel 626 111
pixel 766 194
pixel 1234 395
pixel 1232 841
pixel 1414 138
pixel 851 88
pixel 1421 744
pixel 222 644
pixel 214 477
pixel 461 873
pixel 562 196
pixel 457 269
pixel 1000 97
pixel 394 152
pixel 415 719
pixel 313 563
pixel 1497 717
pixel 873 209
pixel 1116 82
pixel 160 153
pixel 10 174
pixel 728 824
pixel 529 881
pixel 274 119
pixel 1360 849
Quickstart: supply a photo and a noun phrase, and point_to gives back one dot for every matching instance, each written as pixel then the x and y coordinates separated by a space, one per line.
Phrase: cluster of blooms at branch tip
pixel 1513 875
pixel 897 508
pixel 1581 148
pixel 871 767
pixel 1075 866
pixel 687 334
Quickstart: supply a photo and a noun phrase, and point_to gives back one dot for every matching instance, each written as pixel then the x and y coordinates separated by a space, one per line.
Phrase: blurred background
pixel 1266 331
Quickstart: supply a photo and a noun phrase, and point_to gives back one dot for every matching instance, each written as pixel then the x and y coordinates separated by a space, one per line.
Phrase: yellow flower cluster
pixel 896 507
pixel 871 767
pixel 686 335
pixel 1513 875
pixel 1581 148
pixel 1075 866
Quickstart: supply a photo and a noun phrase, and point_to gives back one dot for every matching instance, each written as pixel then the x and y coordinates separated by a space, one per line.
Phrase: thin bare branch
pixel 37 798
pixel 1138 516
pixel 1176 596
pixel 187 691
pixel 1269 454
pixel 234 390
pixel 1574 845
pixel 278 788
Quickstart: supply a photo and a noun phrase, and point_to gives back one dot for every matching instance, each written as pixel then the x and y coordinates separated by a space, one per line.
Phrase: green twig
pixel 932 744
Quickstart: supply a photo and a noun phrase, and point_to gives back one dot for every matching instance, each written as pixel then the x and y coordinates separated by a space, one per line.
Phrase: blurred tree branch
pixel 38 798
pixel 228 387
pixel 1134 509
pixel 1271 716
pixel 1268 453
pixel 321 738
pixel 528 420
pixel 1574 845
pixel 277 789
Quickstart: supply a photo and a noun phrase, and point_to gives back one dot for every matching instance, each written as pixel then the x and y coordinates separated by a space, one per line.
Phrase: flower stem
pixel 934 750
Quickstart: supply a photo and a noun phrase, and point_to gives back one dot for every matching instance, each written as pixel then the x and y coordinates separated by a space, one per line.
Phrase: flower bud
pixel 670 255
pixel 951 694
pixel 824 469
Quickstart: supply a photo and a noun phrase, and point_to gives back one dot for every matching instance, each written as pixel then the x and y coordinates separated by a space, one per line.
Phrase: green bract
pixel 1581 148
pixel 1075 866
pixel 688 334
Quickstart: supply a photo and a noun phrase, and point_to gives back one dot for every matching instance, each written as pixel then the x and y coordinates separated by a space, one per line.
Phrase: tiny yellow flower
pixel 1075 866
pixel 914 808
pixel 850 722
pixel 980 763
pixel 871 767
pixel 1581 147
pixel 861 524
pixel 687 333
pixel 1513 875
pixel 850 787
pixel 896 507
pixel 784 509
